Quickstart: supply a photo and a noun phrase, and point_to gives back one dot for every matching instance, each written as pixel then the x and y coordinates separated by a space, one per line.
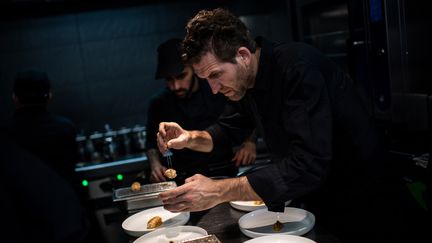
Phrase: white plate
pixel 304 222
pixel 176 234
pixel 249 206
pixel 280 239
pixel 136 224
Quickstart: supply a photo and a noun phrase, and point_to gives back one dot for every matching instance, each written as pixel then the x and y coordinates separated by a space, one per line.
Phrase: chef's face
pixel 181 83
pixel 230 79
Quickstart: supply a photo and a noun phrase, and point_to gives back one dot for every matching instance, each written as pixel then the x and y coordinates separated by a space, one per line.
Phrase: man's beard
pixel 184 93
pixel 181 93
pixel 244 79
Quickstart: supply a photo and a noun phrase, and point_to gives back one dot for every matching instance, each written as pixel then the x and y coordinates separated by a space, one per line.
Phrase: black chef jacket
pixel 50 137
pixel 327 153
pixel 196 112
pixel 312 120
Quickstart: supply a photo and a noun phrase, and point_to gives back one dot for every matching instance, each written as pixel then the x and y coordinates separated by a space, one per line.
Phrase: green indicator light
pixel 119 177
pixel 84 183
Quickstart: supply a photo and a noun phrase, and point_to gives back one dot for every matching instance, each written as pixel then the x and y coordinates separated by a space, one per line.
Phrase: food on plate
pixel 136 186
pixel 171 241
pixel 277 226
pixel 259 202
pixel 154 222
pixel 170 173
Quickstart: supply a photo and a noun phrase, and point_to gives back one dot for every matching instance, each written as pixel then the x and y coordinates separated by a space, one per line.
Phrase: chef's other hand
pixel 246 154
pixel 157 172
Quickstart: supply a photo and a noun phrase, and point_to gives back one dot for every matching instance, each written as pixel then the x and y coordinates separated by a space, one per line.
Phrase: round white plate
pixel 280 239
pixel 136 224
pixel 249 206
pixel 176 234
pixel 259 222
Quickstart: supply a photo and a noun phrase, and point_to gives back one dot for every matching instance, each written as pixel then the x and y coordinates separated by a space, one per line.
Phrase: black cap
pixel 169 59
pixel 32 86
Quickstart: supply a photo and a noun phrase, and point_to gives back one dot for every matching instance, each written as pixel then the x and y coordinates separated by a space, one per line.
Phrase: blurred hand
pixel 157 172
pixel 197 194
pixel 171 135
pixel 246 154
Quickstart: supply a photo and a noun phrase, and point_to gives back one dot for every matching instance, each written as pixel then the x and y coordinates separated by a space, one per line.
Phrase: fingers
pixel 169 136
pixel 175 143
pixel 156 177
pixel 247 160
pixel 178 142
pixel 159 174
pixel 162 136
pixel 177 208
pixel 171 196
pixel 252 158
pixel 244 157
pixel 161 143
pixel 162 130
pixel 235 160
pixel 175 200
pixel 239 157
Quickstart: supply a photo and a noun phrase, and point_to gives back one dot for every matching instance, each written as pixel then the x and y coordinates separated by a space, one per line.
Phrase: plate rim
pixel 253 234
pixel 246 208
pixel 269 237
pixel 251 208
pixel 157 232
pixel 138 233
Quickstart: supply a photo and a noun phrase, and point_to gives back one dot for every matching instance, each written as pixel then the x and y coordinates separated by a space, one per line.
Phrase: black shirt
pixel 196 112
pixel 50 137
pixel 319 133
pixel 37 199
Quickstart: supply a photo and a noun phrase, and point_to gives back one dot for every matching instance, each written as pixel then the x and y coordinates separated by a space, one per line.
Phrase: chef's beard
pixel 244 78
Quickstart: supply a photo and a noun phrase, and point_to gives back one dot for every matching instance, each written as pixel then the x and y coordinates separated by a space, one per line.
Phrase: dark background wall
pixel 101 55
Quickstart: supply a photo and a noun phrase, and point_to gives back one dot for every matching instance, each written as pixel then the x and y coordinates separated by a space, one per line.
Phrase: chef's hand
pixel 157 172
pixel 197 194
pixel 246 154
pixel 171 135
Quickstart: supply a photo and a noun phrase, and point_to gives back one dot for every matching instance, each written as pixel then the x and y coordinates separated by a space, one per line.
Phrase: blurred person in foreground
pixel 38 204
pixel 326 151
pixel 49 136
pixel 189 100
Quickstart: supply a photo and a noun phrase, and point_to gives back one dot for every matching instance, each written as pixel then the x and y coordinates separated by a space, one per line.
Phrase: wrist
pixel 231 189
pixel 190 137
pixel 223 189
pixel 199 141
